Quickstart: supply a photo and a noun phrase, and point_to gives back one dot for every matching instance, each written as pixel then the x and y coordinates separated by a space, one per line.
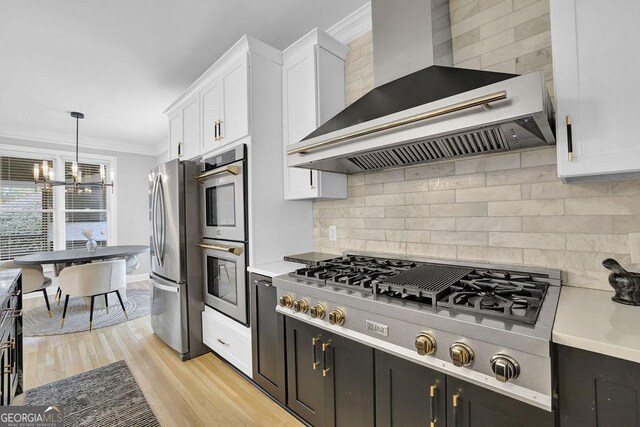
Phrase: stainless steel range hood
pixel 420 112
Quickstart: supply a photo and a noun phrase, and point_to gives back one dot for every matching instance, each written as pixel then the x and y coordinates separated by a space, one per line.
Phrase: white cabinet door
pixel 191 129
pixel 235 120
pixel 175 135
pixel 212 114
pixel 596 61
pixel 300 118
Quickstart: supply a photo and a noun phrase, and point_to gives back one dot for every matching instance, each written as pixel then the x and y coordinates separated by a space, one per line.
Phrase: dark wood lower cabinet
pixel 408 394
pixel 333 381
pixel 330 379
pixel 267 330
pixel 469 405
pixel 305 392
pixel 11 363
pixel 348 374
pixel 597 390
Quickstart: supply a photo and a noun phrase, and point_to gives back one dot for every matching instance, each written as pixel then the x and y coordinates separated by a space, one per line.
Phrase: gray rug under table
pixel 107 396
pixel 38 323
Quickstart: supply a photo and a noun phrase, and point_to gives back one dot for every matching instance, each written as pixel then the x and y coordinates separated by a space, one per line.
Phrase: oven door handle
pixel 231 249
pixel 233 170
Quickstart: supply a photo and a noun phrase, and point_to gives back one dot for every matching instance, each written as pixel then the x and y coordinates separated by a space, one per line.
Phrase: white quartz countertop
pixel 587 319
pixel 273 269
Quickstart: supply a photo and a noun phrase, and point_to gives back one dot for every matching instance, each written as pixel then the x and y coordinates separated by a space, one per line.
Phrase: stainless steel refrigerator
pixel 176 271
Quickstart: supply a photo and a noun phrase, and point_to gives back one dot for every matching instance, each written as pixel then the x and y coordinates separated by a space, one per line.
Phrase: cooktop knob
pixel 336 317
pixel 317 311
pixel 505 367
pixel 286 301
pixel 300 306
pixel 461 354
pixel 425 344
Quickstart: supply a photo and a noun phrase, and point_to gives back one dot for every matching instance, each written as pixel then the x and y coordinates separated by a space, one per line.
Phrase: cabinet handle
pixel 325 370
pixel 455 401
pixel 215 130
pixel 222 342
pixel 179 149
pixel 432 405
pixel 266 283
pixel 220 136
pixel 315 362
pixel 569 139
pixel 11 344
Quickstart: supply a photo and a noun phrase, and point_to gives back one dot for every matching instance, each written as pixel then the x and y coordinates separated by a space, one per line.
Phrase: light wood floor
pixel 202 391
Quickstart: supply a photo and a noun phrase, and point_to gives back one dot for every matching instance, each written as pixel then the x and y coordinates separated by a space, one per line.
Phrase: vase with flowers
pixel 92 245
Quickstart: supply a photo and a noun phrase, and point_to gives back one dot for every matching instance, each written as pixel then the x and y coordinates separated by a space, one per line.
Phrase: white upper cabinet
pixel 595 64
pixel 184 130
pixel 225 106
pixel 175 135
pixel 313 92
pixel 216 109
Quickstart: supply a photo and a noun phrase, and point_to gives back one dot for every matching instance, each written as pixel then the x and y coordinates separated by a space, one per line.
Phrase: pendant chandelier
pixel 44 176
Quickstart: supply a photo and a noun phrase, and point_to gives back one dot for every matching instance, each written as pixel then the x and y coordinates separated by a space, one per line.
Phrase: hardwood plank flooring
pixel 199 392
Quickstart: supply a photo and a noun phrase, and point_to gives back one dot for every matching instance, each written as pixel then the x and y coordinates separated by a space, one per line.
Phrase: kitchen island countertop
pixel 587 319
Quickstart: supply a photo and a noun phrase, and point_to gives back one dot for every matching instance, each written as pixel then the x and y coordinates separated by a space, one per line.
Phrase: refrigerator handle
pixel 154 224
pixel 162 221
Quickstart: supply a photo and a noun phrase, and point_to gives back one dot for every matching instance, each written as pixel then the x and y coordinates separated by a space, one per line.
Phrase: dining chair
pixel 33 279
pixel 132 263
pixel 93 280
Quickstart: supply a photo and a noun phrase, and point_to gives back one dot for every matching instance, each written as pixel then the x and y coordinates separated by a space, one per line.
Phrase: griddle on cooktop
pixel 425 281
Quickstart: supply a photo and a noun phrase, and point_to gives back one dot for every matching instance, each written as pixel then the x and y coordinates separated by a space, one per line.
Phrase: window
pixel 85 210
pixel 26 215
pixel 34 220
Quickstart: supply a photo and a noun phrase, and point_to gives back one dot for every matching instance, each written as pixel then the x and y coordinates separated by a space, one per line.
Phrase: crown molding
pixel 57 138
pixel 353 25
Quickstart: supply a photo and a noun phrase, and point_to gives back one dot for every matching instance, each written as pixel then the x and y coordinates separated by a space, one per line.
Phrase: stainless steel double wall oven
pixel 224 233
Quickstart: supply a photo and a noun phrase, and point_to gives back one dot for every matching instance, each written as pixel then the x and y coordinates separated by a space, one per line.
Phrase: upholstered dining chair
pixel 33 279
pixel 132 263
pixel 93 280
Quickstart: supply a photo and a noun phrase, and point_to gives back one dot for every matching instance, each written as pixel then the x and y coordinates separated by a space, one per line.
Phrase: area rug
pixel 38 323
pixel 107 396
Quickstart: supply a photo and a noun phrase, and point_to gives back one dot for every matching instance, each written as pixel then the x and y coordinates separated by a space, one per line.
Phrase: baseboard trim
pixel 137 277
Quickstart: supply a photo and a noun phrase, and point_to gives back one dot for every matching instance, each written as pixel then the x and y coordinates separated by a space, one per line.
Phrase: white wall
pixel 132 192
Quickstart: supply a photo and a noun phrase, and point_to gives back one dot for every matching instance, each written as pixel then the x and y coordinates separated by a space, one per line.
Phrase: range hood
pixel 421 113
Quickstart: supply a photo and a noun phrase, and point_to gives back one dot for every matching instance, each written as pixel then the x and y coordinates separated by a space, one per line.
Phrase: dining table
pixel 81 256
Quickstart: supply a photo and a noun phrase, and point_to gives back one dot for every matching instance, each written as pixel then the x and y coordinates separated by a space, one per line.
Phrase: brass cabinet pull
pixel 455 401
pixel 569 139
pixel 315 362
pixel 325 370
pixel 233 170
pixel 11 344
pixel 231 249
pixel 470 103
pixel 179 150
pixel 432 405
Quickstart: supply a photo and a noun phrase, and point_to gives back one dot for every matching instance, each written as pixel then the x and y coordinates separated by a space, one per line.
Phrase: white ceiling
pixel 122 62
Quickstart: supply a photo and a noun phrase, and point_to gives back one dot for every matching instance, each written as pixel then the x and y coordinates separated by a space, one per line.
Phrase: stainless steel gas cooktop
pixel 489 324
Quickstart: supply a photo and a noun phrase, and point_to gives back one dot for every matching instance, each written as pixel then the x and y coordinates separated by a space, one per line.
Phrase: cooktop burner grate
pixel 425 281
